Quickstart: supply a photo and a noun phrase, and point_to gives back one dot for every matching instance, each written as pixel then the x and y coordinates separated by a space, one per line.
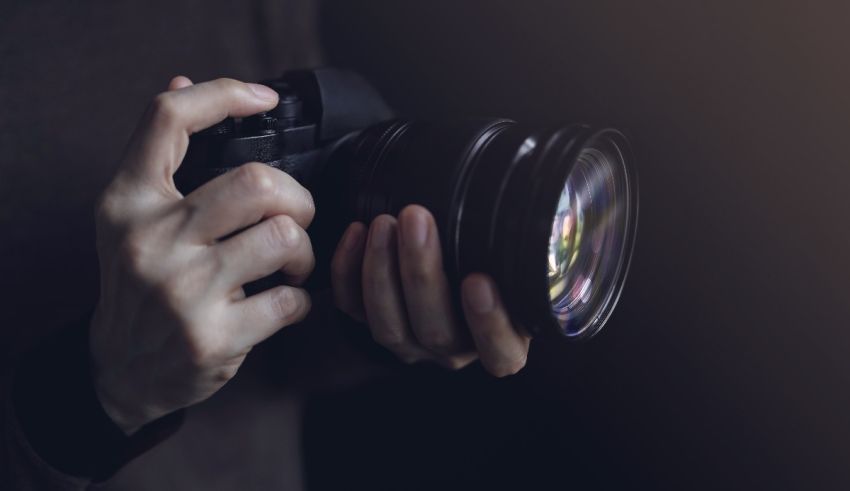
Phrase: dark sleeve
pixel 57 434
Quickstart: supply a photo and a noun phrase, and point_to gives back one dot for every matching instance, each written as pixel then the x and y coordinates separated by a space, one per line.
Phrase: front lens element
pixel 589 235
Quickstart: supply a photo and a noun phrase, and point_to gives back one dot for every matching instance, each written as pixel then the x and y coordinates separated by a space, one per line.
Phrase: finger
pixel 179 82
pixel 259 316
pixel 503 351
pixel 159 144
pixel 426 288
pixel 382 296
pixel 456 362
pixel 243 197
pixel 346 271
pixel 276 244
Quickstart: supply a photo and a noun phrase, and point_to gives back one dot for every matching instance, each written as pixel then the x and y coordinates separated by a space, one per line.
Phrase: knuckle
pixel 255 179
pixel 289 306
pixel 284 304
pixel 418 273
pixel 299 198
pixel 229 84
pixel 284 232
pixel 164 108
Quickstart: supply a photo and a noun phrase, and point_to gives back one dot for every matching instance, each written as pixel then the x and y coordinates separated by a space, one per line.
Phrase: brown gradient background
pixel 726 365
pixel 727 362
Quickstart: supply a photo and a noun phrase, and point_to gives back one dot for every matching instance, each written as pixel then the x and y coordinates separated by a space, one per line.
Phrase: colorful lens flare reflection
pixel 588 233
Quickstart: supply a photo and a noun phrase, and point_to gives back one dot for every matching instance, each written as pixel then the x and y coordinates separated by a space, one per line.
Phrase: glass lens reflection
pixel 588 232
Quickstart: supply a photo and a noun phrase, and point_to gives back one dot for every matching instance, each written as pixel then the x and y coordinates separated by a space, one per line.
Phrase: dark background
pixel 726 363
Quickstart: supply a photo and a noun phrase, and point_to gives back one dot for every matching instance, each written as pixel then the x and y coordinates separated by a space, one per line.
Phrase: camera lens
pixel 586 246
pixel 549 213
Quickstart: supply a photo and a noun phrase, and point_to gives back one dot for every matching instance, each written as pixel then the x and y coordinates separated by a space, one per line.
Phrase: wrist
pixel 111 387
pixel 128 422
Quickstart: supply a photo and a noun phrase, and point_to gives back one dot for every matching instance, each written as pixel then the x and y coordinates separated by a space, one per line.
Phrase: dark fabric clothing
pixel 55 404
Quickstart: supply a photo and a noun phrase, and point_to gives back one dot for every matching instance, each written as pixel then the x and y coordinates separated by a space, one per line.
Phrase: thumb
pixel 160 142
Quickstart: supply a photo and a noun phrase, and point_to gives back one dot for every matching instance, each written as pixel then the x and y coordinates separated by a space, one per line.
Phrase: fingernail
pixel 380 236
pixel 352 238
pixel 263 92
pixel 415 230
pixel 479 295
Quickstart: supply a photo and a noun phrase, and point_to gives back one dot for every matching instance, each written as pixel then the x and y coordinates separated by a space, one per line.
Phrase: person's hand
pixel 391 276
pixel 173 324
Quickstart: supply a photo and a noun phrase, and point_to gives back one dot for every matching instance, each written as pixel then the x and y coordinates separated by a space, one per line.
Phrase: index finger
pixel 160 142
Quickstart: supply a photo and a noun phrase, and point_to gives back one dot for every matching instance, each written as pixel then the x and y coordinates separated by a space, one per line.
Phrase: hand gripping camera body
pixel 549 212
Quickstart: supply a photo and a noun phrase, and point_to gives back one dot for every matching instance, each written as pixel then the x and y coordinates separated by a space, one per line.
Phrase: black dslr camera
pixel 550 213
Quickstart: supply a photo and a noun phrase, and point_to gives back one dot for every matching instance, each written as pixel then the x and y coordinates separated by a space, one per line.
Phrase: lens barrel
pixel 494 189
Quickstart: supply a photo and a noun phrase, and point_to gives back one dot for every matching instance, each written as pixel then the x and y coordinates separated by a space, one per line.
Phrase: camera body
pixel 549 212
pixel 317 110
pixel 334 133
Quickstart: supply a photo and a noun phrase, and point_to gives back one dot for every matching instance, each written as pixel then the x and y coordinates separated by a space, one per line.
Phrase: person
pixel 173 325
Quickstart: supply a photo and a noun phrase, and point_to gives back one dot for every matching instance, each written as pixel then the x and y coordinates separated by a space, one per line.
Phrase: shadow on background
pixel 726 364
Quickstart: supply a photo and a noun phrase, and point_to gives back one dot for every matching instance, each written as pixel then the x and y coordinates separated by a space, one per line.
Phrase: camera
pixel 549 212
